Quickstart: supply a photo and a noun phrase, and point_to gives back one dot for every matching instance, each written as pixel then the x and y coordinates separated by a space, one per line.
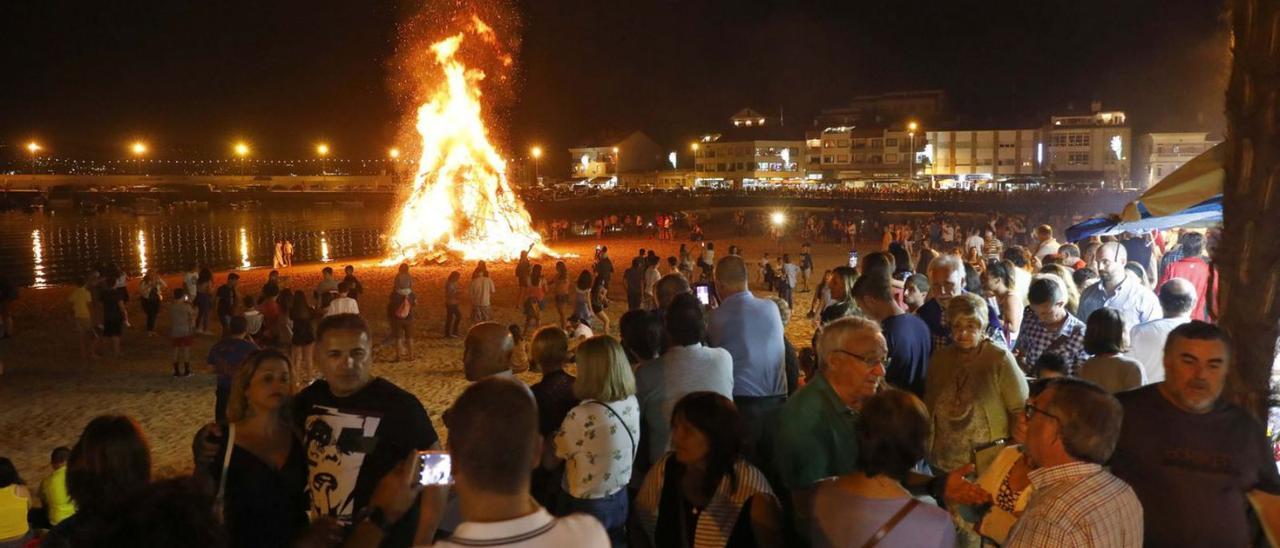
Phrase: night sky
pixel 191 76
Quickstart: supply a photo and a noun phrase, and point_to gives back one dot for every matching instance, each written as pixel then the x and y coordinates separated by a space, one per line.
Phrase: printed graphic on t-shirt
pixel 337 444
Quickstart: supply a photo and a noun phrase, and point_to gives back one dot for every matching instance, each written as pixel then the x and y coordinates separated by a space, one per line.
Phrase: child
pixel 519 354
pixel 182 321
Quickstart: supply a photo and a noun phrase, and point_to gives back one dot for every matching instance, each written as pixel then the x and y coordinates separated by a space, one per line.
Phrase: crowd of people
pixel 964 385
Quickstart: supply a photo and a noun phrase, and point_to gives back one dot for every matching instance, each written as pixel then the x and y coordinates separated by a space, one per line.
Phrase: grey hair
pixel 1089 418
pixel 835 333
pixel 948 261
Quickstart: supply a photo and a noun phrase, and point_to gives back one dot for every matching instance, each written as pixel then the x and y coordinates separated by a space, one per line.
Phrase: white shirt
pixel 535 530
pixel 1136 303
pixel 481 290
pixel 599 447
pixel 343 305
pixel 583 331
pixel 1047 247
pixel 1146 344
pixel 974 242
pixel 791 271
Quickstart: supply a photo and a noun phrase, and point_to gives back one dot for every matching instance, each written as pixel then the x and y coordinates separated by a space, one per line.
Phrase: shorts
pixel 181 342
pixel 401 327
pixel 124 294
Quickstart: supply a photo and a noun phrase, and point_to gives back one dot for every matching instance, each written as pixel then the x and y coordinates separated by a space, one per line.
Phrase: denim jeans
pixel 611 511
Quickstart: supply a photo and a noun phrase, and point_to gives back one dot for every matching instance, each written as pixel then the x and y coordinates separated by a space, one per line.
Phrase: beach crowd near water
pixel 807 378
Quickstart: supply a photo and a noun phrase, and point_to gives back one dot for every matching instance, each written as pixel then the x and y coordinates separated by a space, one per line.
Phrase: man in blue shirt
pixel 750 328
pixel 906 335
pixel 226 356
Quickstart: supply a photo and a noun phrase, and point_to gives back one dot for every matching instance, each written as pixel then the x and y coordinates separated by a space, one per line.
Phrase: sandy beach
pixel 48 393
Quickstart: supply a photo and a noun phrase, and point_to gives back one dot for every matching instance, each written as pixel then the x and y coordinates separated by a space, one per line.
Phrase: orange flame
pixel 461 202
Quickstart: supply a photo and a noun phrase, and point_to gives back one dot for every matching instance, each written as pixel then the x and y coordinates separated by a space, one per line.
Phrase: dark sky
pixel 191 76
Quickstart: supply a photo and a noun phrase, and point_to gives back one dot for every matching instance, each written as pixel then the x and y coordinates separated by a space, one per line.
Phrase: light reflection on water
pixel 55 247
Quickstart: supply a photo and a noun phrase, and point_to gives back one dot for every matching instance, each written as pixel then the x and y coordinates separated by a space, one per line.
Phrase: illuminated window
pixel 1078 139
pixel 1078 159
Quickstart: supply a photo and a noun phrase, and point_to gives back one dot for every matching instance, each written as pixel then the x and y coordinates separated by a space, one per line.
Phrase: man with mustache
pixel 1191 456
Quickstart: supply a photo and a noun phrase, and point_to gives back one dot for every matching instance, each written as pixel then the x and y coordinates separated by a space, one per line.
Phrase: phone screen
pixel 434 468
pixel 704 294
pixel 853 259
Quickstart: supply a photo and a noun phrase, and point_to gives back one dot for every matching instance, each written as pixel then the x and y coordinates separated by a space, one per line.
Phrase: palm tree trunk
pixel 1248 256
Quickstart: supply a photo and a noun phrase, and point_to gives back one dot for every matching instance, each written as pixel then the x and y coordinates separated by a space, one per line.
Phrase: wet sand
pixel 48 393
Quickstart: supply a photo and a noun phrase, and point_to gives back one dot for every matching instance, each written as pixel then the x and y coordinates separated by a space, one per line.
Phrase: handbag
pixel 220 499
pixel 624 426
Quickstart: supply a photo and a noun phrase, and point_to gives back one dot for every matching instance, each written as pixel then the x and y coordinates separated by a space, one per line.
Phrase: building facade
pixel 983 154
pixel 613 163
pixel 1089 149
pixel 853 154
pixel 1160 154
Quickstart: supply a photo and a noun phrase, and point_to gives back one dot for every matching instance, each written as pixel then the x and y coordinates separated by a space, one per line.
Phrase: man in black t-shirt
pixel 354 287
pixel 356 427
pixel 1190 456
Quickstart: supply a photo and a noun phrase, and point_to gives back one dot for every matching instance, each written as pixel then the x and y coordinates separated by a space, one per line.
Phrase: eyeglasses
pixel 1029 411
pixel 872 362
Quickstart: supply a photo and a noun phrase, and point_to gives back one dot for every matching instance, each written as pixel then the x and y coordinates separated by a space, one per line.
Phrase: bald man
pixel 1146 340
pixel 1119 289
pixel 487 351
pixel 668 287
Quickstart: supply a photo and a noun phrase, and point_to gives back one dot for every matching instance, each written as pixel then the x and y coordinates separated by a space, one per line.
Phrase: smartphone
pixel 704 294
pixel 434 468
pixel 853 259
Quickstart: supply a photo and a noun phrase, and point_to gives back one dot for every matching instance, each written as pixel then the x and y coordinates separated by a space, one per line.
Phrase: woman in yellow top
pixel 15 500
pixel 53 490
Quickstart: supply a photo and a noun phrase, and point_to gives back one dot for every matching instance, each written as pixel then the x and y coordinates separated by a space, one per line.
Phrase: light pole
pixel 242 151
pixel 394 154
pixel 911 134
pixel 694 167
pixel 536 152
pixel 322 150
pixel 34 148
pixel 139 149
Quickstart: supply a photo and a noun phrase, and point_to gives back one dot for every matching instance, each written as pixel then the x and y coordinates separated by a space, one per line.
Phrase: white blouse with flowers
pixel 598 447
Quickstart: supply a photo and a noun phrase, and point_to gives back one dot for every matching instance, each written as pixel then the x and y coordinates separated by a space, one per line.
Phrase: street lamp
pixel 34 148
pixel 139 149
pixel 322 150
pixel 536 152
pixel 617 167
pixel 242 151
pixel 394 153
pixel 911 133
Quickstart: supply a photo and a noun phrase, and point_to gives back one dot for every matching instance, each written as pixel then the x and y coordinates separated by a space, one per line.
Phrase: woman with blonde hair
pixel 1063 274
pixel 600 436
pixel 261 467
pixel 841 285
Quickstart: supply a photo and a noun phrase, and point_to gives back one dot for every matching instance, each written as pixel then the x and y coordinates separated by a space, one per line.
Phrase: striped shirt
pixel 716 523
pixel 1080 505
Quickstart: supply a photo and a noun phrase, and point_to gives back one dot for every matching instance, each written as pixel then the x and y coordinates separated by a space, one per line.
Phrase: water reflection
pixel 142 251
pixel 65 244
pixel 244 249
pixel 37 254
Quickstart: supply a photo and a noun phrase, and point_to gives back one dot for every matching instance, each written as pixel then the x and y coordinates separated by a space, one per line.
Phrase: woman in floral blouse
pixel 599 438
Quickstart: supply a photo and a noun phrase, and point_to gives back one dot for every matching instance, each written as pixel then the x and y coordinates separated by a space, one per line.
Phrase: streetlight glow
pixel 34 147
pixel 322 149
pixel 138 148
pixel 241 149
pixel 912 126
pixel 779 218
pixel 537 152
pixel 693 147
pixel 393 153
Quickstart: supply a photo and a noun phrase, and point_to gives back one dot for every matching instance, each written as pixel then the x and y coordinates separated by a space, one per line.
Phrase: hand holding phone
pixel 434 468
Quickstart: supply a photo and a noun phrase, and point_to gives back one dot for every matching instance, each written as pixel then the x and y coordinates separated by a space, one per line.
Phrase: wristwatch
pixel 374 515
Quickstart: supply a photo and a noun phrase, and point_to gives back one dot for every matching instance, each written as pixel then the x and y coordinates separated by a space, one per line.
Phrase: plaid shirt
pixel 1034 338
pixel 1078 504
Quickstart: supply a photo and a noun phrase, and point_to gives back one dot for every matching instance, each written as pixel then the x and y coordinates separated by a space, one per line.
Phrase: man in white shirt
pixel 493 446
pixel 342 304
pixel 790 275
pixel 974 242
pixel 1046 245
pixel 1146 340
pixel 481 293
pixel 1119 289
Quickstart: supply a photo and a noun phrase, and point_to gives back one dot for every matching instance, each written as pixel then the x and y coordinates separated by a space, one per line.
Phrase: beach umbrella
pixel 1190 196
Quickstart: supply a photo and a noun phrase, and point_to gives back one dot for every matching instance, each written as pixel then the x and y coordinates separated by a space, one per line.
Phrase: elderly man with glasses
pixel 819 424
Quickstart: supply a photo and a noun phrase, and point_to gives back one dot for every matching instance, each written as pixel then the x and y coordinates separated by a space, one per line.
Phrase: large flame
pixel 461 202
